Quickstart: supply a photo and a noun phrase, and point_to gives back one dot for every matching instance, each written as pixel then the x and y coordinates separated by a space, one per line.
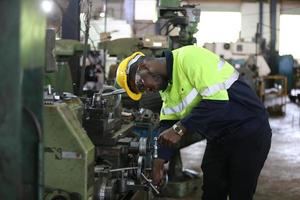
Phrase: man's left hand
pixel 168 138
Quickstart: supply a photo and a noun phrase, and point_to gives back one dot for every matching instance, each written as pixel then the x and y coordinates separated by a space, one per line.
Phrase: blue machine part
pixel 146 129
pixel 285 68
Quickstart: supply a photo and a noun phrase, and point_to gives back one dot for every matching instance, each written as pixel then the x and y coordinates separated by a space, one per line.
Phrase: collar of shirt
pixel 169 61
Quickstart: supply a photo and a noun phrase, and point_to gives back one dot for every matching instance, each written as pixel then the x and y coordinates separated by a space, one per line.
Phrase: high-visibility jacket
pixel 197 74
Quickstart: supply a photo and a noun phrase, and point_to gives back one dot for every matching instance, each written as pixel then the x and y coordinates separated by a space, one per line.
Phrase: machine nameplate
pixel 60 154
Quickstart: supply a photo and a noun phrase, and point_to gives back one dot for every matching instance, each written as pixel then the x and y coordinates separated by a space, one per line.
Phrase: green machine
pixel 172 15
pixel 86 147
pixel 135 44
pixel 64 49
pixel 68 151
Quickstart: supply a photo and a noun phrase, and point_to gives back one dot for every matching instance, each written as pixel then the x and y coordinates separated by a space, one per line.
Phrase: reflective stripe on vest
pixel 221 64
pixel 183 104
pixel 220 86
pixel 207 92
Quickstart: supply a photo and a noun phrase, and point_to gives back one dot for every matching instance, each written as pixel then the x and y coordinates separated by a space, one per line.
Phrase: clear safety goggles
pixel 139 82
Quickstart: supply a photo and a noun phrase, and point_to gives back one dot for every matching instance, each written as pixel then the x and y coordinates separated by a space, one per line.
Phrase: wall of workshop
pixel 120 19
pixel 249 13
pixel 117 27
pixel 289 40
pixel 249 16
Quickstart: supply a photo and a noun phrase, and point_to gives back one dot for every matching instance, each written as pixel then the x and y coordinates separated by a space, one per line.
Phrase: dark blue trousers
pixel 231 166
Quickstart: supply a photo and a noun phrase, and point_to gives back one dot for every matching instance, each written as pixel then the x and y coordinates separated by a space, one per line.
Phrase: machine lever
pixel 115 92
pixel 155 147
pixel 149 181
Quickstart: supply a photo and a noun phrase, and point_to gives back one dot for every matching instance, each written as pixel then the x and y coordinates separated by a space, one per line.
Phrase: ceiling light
pixel 47 6
pixel 102 14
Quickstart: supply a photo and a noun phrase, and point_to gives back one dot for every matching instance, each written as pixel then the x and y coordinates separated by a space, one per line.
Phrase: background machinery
pixel 178 22
pixel 176 25
pixel 90 150
pixel 84 148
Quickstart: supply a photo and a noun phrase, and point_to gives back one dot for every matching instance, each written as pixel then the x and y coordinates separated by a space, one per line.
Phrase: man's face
pixel 145 80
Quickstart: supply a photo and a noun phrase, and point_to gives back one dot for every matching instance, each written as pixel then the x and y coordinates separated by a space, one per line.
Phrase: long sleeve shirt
pixel 216 120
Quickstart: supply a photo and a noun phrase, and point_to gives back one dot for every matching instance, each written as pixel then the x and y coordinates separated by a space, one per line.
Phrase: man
pixel 203 94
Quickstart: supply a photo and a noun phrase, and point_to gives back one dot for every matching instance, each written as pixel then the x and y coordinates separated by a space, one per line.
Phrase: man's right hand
pixel 158 172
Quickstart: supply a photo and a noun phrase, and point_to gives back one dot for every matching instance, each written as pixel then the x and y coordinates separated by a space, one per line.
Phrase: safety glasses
pixel 139 82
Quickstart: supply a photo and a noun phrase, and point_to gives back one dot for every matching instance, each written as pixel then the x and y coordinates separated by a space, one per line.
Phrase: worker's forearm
pixel 164 152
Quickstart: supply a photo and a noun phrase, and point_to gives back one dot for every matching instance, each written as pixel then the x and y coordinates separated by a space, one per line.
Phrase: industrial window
pixel 145 10
pixel 289 40
pixel 218 27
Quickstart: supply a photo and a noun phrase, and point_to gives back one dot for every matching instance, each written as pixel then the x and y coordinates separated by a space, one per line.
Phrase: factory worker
pixel 203 94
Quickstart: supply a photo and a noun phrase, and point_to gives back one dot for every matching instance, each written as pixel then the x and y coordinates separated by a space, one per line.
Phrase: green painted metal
pixel 22 58
pixel 68 48
pixel 10 98
pixel 33 26
pixel 62 79
pixel 124 47
pixel 69 153
pixel 121 47
pixel 76 106
pixel 169 3
pixel 58 194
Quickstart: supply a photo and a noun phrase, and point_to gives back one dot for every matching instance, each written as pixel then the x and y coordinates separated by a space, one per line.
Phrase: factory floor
pixel 280 177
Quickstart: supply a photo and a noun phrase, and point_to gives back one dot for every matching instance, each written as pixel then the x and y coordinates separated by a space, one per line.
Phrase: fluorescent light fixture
pixel 47 6
pixel 157 44
pixel 102 14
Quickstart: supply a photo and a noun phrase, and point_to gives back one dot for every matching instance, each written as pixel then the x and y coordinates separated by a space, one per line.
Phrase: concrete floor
pixel 280 177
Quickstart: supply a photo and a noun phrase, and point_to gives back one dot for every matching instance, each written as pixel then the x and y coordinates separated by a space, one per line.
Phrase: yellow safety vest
pixel 197 74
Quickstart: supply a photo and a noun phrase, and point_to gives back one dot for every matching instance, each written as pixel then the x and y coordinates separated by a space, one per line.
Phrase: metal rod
pixel 261 17
pixel 273 28
pixel 150 183
pixel 105 30
pixel 122 169
pixel 86 38
pixel 155 148
pixel 115 92
pixel 105 16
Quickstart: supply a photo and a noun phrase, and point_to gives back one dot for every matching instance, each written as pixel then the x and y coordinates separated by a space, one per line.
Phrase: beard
pixel 162 81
